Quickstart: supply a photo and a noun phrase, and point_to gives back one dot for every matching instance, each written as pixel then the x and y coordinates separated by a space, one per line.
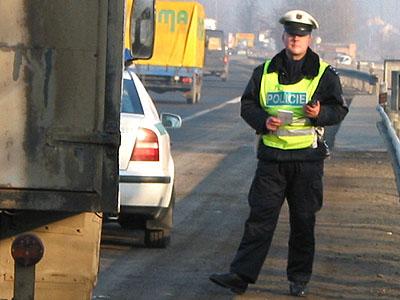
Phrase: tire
pixel 156 239
pixel 158 232
pixel 190 100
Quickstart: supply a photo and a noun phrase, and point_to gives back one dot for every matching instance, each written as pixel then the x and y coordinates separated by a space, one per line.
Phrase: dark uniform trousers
pixel 300 182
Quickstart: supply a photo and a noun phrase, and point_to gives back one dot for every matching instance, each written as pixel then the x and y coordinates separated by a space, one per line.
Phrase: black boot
pixel 297 288
pixel 231 281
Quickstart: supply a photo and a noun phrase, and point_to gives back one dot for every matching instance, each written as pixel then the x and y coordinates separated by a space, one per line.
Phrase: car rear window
pixel 130 99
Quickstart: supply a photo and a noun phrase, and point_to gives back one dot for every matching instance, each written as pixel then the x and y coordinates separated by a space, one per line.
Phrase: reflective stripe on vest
pixel 275 96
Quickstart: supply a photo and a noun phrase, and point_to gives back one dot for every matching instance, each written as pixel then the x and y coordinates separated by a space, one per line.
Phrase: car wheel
pixel 156 238
pixel 158 232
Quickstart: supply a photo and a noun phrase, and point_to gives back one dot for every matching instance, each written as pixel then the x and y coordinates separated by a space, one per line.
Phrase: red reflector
pixel 146 147
pixel 187 79
pixel 27 250
pixel 225 59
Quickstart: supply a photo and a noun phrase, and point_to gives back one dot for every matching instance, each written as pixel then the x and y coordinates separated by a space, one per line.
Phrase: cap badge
pixel 298 16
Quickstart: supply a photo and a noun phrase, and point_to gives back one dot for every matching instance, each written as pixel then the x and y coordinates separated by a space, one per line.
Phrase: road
pixel 215 162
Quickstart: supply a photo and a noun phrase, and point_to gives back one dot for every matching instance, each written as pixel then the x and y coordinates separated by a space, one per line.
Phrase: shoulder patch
pixel 333 70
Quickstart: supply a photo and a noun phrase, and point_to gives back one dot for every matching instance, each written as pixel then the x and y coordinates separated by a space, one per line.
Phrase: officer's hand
pixel 273 123
pixel 312 111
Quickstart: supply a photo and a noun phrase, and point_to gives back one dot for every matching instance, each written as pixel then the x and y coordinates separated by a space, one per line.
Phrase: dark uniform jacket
pixel 329 93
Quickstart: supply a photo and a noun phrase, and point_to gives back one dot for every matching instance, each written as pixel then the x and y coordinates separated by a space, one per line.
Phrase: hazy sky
pixel 374 19
pixel 387 9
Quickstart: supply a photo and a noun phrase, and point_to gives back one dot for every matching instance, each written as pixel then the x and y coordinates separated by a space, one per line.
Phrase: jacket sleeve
pixel 250 108
pixel 330 94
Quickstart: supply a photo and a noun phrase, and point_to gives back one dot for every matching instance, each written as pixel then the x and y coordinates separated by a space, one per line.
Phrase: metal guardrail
pixel 388 132
pixel 358 80
pixel 364 76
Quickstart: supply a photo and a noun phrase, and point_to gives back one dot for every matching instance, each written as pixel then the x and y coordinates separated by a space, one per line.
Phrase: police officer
pixel 290 154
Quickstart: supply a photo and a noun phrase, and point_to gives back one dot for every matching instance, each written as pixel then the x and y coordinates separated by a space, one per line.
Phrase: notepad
pixel 286 116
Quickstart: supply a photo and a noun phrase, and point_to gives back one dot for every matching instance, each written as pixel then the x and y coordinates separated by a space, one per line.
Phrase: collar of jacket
pixel 310 66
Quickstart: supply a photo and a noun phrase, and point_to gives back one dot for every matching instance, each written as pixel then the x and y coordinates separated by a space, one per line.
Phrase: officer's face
pixel 296 45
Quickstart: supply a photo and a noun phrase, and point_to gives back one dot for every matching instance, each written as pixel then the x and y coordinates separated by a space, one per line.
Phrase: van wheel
pixel 158 232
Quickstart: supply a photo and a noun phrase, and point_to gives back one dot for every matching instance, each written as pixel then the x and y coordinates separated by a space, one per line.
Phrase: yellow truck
pixel 178 58
pixel 61 77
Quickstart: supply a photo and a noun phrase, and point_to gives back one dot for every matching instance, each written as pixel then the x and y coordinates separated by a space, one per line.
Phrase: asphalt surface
pixel 358 229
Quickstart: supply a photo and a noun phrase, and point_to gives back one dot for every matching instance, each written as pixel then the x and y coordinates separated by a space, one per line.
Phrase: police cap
pixel 298 22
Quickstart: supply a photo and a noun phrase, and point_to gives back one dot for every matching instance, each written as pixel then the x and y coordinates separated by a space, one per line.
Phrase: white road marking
pixel 206 111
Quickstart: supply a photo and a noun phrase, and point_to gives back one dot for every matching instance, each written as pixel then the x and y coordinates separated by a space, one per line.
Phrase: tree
pixel 336 18
pixel 249 16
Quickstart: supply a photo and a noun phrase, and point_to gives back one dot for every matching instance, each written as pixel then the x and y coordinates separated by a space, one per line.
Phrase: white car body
pixel 344 59
pixel 145 186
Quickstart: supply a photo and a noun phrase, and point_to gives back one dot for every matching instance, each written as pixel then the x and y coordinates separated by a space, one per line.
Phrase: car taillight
pixel 225 59
pixel 146 147
pixel 187 79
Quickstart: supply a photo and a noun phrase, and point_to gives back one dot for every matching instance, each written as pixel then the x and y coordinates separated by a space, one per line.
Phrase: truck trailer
pixel 61 79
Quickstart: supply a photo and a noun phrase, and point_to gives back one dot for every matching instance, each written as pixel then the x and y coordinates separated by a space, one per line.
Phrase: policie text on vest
pixel 286 98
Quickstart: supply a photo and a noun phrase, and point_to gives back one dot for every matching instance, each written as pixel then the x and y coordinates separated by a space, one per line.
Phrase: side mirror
pixel 142 29
pixel 171 120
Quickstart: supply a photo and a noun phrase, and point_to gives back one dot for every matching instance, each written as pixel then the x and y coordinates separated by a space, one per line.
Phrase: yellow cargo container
pixel 179 47
pixel 179 39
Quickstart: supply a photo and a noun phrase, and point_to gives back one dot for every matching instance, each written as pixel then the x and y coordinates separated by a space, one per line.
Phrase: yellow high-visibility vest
pixel 275 96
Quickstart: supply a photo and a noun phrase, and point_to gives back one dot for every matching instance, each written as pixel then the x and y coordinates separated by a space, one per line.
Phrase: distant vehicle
pixel 343 59
pixel 241 48
pixel 244 38
pixel 262 51
pixel 216 57
pixel 146 167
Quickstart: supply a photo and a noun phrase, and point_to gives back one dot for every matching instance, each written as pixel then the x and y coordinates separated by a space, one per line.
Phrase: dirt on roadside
pixel 357 233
